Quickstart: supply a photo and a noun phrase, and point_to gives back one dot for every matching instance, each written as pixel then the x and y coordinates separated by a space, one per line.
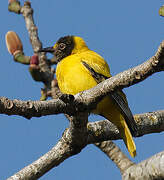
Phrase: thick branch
pixel 98 131
pixel 150 169
pixel 53 158
pixel 66 147
pixel 74 139
pixel 147 123
pixel 30 109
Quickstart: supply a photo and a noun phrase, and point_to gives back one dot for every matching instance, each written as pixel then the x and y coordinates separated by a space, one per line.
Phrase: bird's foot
pixel 67 98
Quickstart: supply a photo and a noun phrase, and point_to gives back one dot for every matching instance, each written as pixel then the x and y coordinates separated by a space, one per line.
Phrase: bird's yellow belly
pixel 71 80
pixel 74 79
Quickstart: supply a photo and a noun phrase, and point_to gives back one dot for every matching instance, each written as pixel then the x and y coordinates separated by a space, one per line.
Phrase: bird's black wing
pixel 125 110
pixel 119 98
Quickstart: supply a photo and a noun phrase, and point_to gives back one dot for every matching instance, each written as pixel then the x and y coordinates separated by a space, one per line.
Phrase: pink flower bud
pixel 34 59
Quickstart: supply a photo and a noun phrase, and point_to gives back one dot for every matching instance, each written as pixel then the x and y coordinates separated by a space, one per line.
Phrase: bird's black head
pixel 62 48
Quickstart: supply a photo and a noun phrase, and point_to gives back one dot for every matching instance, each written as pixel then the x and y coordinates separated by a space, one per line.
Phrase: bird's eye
pixel 62 46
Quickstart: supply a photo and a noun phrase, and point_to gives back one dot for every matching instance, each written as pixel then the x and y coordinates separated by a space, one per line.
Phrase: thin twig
pixel 27 13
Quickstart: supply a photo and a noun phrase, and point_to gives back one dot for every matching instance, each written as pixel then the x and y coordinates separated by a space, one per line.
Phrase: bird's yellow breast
pixel 73 77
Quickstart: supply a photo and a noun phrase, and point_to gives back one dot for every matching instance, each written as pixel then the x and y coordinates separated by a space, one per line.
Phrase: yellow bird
pixel 79 69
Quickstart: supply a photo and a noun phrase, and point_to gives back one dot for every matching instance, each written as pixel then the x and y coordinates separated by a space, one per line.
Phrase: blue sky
pixel 125 33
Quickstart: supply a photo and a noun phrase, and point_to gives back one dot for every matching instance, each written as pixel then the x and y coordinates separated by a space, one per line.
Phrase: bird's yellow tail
pixel 127 137
pixel 125 133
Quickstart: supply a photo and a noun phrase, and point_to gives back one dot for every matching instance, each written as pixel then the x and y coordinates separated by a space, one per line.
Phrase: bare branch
pixel 30 109
pixel 27 13
pixel 152 122
pixel 74 139
pixel 51 159
pixel 71 143
pixel 150 169
pixel 147 123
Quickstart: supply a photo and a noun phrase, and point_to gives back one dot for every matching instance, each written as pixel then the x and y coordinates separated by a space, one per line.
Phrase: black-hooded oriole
pixel 79 69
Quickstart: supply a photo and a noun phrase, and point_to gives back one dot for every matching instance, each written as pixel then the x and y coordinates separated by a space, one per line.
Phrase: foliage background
pixel 125 33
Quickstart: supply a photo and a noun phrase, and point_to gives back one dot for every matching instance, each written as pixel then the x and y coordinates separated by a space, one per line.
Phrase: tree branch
pixel 30 109
pixel 71 143
pixel 27 13
pixel 147 123
pixel 75 138
pixel 150 169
